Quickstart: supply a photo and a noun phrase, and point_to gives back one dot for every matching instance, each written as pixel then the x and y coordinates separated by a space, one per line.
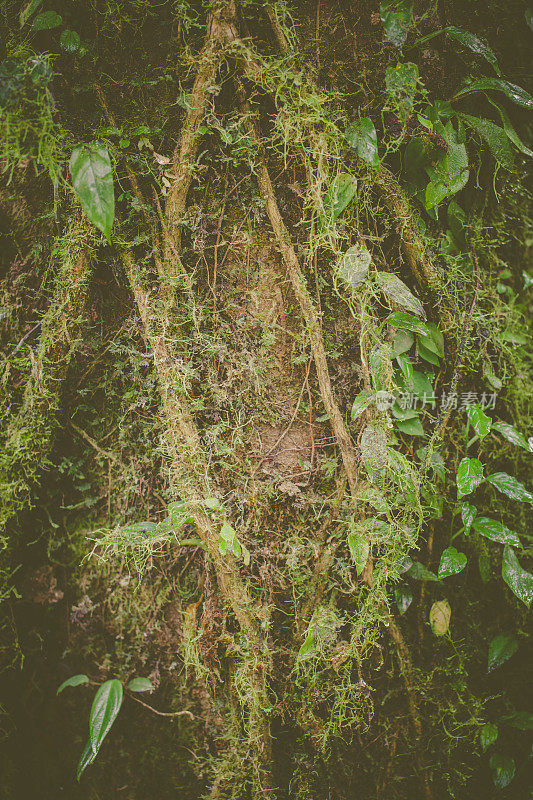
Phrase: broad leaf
pixel 401 83
pixel 362 136
pixel 140 685
pixel 92 178
pixel 510 90
pixel 105 707
pixel 309 647
pixel 488 735
pixel 425 353
pixel 421 386
pixel 46 21
pixel 475 44
pixel 359 551
pixel 353 266
pixel 501 649
pixel 517 579
pixel 468 514
pixel 403 597
pixel 495 137
pixel 439 617
pixel 469 476
pixel 450 172
pixel 70 41
pixel 403 341
pixel 479 420
pixel 510 487
pixel 419 572
pixel 451 562
pixel 407 322
pixel 495 531
pixel 510 433
pixel 75 680
pixel 339 195
pixel 397 19
pixel 503 768
pixel 412 427
pixel 87 757
pixel 362 401
pixel 397 293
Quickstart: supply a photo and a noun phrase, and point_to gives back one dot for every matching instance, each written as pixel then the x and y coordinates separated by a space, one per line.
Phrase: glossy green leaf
pixel 397 19
pixel 397 293
pixel 510 90
pixel 475 44
pixel 46 21
pixel 407 322
pixel 87 757
pixel 510 433
pixel 509 129
pixel 510 487
pixel 480 422
pixel 517 579
pixel 140 685
pixel 495 531
pixel 309 647
pixel 27 11
pixel 495 137
pixel 469 476
pixel 70 41
pixel 359 551
pixel 501 649
pixel 411 427
pixel 353 266
pixel 439 617
pixel 406 366
pixel 402 342
pixel 362 136
pixel 403 597
pixel 362 401
pixel 104 710
pixel 419 572
pixel 451 562
pixel 340 194
pixel 426 354
pixel 450 173
pixel 75 680
pixel 468 514
pixel 92 178
pixel 503 769
pixel 488 735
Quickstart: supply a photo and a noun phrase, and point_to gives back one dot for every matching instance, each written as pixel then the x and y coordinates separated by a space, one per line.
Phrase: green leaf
pixel 488 735
pixel 421 386
pixel 427 354
pixel 87 757
pixel 451 562
pixel 70 41
pixel 495 137
pixel 309 647
pixel 397 293
pixel 479 420
pixel 510 90
pixel 418 572
pixel 474 44
pixel 403 597
pixel 140 685
pixel 397 19
pixel 92 178
pixel 510 487
pixel 212 503
pixel 517 579
pixel 46 21
pixel 439 617
pixel 523 720
pixel 495 531
pixel 403 341
pixel 468 514
pixel 104 710
pixel 340 194
pixel 412 427
pixel 450 172
pixel 362 401
pixel 75 680
pixel 362 136
pixel 353 266
pixel 407 322
pixel 509 130
pixel 406 366
pixel 29 9
pixel 469 476
pixel 510 433
pixel 503 768
pixel 501 649
pixel 359 551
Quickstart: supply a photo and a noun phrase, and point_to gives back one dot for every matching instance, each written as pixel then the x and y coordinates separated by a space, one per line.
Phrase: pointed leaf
pixel 510 487
pixel 480 422
pixel 503 768
pixel 309 647
pixel 419 572
pixel 407 322
pixel 397 19
pixel 87 757
pixel 495 137
pixel 501 649
pixel 511 90
pixel 354 265
pixel 92 179
pixel 397 293
pixel 510 433
pixel 475 44
pixel 469 476
pixel 75 680
pixel 105 708
pixel 362 401
pixel 468 514
pixel 517 579
pixel 361 135
pixel 451 562
pixel 495 531
pixel 46 21
pixel 403 597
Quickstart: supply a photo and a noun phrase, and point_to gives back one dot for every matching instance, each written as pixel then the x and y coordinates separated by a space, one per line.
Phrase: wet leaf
pixel 362 401
pixel 397 293
pixel 92 178
pixel 495 137
pixel 510 90
pixel 104 710
pixel 475 44
pixel 488 735
pixel 419 572
pixel 87 757
pixel 75 680
pixel 501 649
pixel 340 194
pixel 510 433
pixel 468 514
pixel 469 475
pixel 439 617
pixel 451 562
pixel 362 136
pixel 517 579
pixel 495 531
pixel 397 19
pixel 309 647
pixel 480 422
pixel 46 21
pixel 403 341
pixel 510 487
pixel 407 322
